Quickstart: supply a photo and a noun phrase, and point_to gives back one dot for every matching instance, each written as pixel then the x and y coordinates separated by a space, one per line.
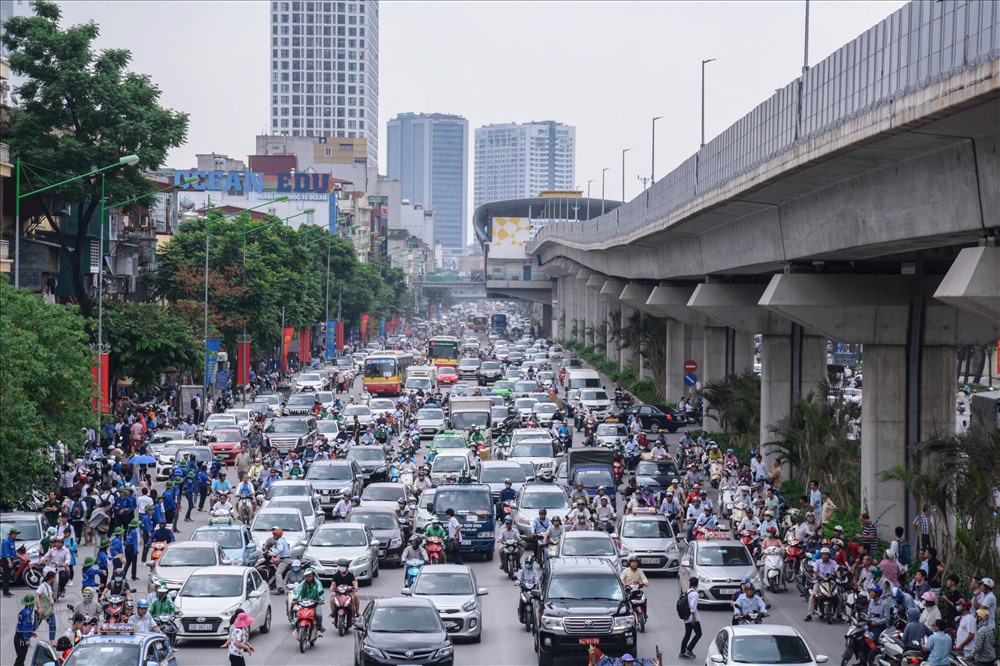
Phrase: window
pixel 328 152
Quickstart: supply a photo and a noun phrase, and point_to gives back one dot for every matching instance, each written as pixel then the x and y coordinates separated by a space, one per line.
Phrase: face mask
pixel 343 569
pixel 296 568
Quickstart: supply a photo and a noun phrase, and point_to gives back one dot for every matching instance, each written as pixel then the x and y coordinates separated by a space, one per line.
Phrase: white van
pixel 420 377
pixel 455 462
pixel 578 379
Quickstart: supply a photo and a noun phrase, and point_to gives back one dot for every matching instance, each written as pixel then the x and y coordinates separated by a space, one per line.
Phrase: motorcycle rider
pixel 633 574
pixel 658 452
pixel 117 586
pixel 581 524
pixel 295 575
pixel 435 529
pixel 902 601
pixel 413 551
pixel 527 574
pixel 278 545
pixel 605 515
pixel 878 610
pixel 564 431
pixel 540 526
pixel 89 606
pixel 768 523
pixel 771 539
pixel 824 566
pixel 222 504
pixel 344 576
pixel 143 622
pixel 422 482
pixel 506 495
pixel 553 534
pixel 311 588
pixel 748 602
pixel 162 604
pixel 244 491
pixel 342 507
pixel 403 512
pixel 508 531
pixel 579 493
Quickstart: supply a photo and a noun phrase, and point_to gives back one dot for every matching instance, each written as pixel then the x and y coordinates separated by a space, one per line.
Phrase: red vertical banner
pixel 100 374
pixel 242 363
pixel 340 335
pixel 309 342
pixel 364 327
pixel 304 346
pixel 286 342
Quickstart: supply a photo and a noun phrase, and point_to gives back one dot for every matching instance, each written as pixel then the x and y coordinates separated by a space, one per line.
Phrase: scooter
pixel 244 509
pixel 715 472
pixel 794 553
pixel 155 550
pixel 524 614
pixel 343 602
pixel 510 557
pixel 727 502
pixel 413 566
pixel 773 565
pixel 435 550
pixel 750 617
pixel 551 548
pixel 738 513
pixel 305 623
pixel 827 598
pixel 114 609
pixel 637 600
pixel 26 570
pixel 168 625
pixel 859 641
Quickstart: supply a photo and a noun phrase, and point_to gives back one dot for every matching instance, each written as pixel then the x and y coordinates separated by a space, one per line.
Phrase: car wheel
pixel 545 659
pixel 478 638
pixel 489 556
pixel 267 622
pixel 375 571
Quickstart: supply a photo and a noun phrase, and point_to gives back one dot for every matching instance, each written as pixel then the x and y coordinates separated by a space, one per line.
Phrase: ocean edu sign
pixel 294 185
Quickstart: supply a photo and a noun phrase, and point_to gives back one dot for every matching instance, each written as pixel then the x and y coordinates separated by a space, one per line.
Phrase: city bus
pixel 443 350
pixel 498 322
pixel 477 323
pixel 385 372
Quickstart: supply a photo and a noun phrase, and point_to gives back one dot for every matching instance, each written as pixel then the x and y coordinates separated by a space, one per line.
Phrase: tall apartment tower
pixel 429 155
pixel 324 69
pixel 518 161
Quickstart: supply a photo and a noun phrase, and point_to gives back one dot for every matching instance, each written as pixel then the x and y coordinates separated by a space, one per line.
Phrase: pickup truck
pixel 594 467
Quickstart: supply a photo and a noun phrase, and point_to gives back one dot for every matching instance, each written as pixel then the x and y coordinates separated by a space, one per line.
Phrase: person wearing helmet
pixel 822 568
pixel 311 588
pixel 528 573
pixel 423 480
pixel 983 646
pixel 143 622
pixel 413 551
pixel 747 602
pixel 277 545
pixel 356 500
pixel 633 574
pixel 507 494
pixel 554 534
pixel 878 610
pixel 293 576
pixel 771 539
pixel 579 523
pixel 403 512
pixel 162 604
pixel 435 529
pixel 506 533
pixel 89 606
pixel 344 576
pixel 984 598
pixel 902 600
pixel 929 609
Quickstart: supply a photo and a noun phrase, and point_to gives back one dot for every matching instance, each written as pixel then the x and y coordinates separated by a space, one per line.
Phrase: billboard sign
pixel 509 235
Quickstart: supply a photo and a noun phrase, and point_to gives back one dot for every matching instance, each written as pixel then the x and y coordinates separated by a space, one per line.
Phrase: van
pixel 578 379
pixel 457 462
pixel 420 378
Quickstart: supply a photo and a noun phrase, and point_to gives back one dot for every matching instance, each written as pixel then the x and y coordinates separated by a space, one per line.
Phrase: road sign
pixel 690 379
pixel 690 366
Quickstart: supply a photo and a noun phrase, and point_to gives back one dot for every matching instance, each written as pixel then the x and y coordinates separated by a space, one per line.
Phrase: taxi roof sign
pixel 117 628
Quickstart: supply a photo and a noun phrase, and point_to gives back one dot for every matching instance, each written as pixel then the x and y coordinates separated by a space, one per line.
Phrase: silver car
pixel 288 519
pixel 312 513
pixel 719 565
pixel 453 591
pixel 650 538
pixel 590 543
pixel 431 422
pixel 348 541
pixel 535 496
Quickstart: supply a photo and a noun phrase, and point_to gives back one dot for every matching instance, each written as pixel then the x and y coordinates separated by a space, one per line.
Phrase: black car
pixel 657 474
pixel 372 461
pixel 333 479
pixel 489 372
pixel 655 417
pixel 404 631
pixel 384 524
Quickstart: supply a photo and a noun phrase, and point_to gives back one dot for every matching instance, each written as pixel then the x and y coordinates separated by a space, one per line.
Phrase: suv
pixel 290 433
pixel 489 372
pixel 468 368
pixel 581 603
pixel 333 479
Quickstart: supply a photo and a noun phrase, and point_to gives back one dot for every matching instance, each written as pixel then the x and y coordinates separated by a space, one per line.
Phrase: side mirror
pixel 405 591
pixel 359 625
pixel 536 594
pixel 376 543
pixel 718 659
pixel 257 593
pixel 482 592
pixel 822 659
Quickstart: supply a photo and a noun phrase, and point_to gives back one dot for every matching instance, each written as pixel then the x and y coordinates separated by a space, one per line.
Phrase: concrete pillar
pixel 601 323
pixel 614 290
pixel 676 354
pixel 626 355
pixel 883 434
pixel 972 285
pixel 548 323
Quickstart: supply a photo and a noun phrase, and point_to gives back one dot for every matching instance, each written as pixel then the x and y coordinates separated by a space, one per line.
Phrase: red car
pixel 447 375
pixel 226 442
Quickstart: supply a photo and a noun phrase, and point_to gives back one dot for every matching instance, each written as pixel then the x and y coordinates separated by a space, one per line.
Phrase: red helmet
pixel 697 487
pixel 292 455
pixel 772 529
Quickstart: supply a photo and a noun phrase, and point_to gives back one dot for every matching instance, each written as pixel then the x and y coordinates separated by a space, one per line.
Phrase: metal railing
pixel 923 42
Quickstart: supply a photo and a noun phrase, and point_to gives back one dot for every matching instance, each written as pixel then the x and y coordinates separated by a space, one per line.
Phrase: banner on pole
pixel 364 327
pixel 212 348
pixel 242 363
pixel 340 335
pixel 100 373
pixel 304 346
pixel 331 338
pixel 286 342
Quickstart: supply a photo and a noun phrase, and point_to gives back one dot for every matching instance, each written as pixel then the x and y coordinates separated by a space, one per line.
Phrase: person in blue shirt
pixel 25 629
pixel 938 645
pixel 118 547
pixel 220 485
pixel 132 547
pixel 201 478
pixel 8 559
pixel 169 504
pixel 159 515
pixel 216 469
pixel 104 560
pixel 163 533
pixel 129 504
pixel 565 430
pixel 91 572
pixel 747 602
pixel 190 487
pixel 146 529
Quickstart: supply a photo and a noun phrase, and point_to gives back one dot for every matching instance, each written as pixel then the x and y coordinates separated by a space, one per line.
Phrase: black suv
pixel 580 603
pixel 333 479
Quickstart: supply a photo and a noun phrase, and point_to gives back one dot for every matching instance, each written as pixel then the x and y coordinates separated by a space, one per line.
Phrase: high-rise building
pixel 429 155
pixel 519 161
pixel 324 70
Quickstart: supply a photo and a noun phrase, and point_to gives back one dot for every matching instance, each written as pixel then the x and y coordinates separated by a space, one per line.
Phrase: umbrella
pixel 142 460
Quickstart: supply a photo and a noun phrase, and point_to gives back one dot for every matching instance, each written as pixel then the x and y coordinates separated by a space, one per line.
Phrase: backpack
pixel 76 513
pixel 905 552
pixel 194 403
pixel 683 607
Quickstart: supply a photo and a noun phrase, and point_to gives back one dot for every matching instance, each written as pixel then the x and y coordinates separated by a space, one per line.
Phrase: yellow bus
pixel 443 350
pixel 385 372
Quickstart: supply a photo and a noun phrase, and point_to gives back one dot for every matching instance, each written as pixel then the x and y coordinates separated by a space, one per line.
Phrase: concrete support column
pixel 626 355
pixel 681 346
pixel 883 434
pixel 548 323
pixel 601 323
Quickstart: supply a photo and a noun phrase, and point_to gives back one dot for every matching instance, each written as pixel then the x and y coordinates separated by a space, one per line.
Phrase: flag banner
pixel 331 338
pixel 212 348
pixel 364 327
pixel 304 346
pixel 286 342
pixel 242 363
pixel 340 335
pixel 100 373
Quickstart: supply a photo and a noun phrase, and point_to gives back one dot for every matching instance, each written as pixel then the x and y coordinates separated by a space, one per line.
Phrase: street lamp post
pixel 603 171
pixel 588 197
pixel 624 150
pixel 652 166
pixel 703 63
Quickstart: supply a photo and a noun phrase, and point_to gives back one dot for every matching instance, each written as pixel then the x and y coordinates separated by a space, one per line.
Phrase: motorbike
pixel 637 600
pixel 715 472
pixel 26 570
pixel 750 617
pixel 565 442
pixel 168 625
pixel 244 509
pixel 803 578
pixel 747 538
pixel 267 567
pixel 738 513
pixel 524 614
pixel 794 553
pixel 305 623
pixel 551 548
pixel 435 550
pixel 827 599
pixel 618 471
pixel 773 565
pixel 510 557
pixel 727 501
pixel 859 641
pixel 343 601
pixel 114 609
pixel 413 566
pixel 406 478
pixel 155 550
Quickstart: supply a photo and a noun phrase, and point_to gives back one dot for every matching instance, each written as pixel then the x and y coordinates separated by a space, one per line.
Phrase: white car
pixel 309 382
pixel 556 353
pixel 288 519
pixel 363 412
pixel 242 416
pixel 453 590
pixel 165 460
pixel 214 421
pixel 212 595
pixel 759 644
pixel 162 437
pixel 431 422
pixel 382 405
pixel 596 400
pixel 180 559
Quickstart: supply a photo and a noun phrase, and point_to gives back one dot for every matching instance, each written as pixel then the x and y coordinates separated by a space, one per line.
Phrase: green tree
pixel 80 110
pixel 146 338
pixel 46 387
pixel 442 296
pixel 644 335
pixel 735 403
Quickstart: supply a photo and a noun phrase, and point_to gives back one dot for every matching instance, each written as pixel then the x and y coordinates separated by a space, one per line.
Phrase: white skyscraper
pixel 324 70
pixel 517 161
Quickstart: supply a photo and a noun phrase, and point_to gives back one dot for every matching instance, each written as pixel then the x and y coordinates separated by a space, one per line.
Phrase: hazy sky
pixel 605 67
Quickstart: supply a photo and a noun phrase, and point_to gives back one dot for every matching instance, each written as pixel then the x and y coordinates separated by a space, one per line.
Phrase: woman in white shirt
pixel 238 642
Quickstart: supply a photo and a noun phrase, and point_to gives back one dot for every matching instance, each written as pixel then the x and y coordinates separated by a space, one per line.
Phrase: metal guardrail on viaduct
pixel 923 43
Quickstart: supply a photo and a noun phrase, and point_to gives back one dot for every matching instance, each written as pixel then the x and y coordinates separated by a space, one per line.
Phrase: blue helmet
pixel 142 603
pixel 877 589
pixel 897 594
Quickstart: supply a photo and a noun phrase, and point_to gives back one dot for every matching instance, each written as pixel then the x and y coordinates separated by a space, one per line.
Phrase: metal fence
pixel 923 42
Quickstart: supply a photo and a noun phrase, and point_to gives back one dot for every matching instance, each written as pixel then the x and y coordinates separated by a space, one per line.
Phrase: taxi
pixel 112 645
pixel 236 540
pixel 449 439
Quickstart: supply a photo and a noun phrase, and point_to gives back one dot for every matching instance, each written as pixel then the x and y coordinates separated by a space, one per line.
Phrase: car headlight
pixel 395 542
pixel 362 561
pixel 469 606
pixel 625 622
pixel 379 470
pixel 521 520
pixel 704 578
pixel 229 611
pixel 444 652
pixel 373 652
pixel 552 623
pixel 624 549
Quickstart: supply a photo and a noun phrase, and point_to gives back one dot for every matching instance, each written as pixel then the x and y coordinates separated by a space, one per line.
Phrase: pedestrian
pixel 984 651
pixel 454 537
pixel 196 406
pixel 869 533
pixel 938 645
pixel 25 630
pixel 45 603
pixel 985 599
pixel 8 557
pixel 692 626
pixel 924 523
pixel 238 642
pixel 132 547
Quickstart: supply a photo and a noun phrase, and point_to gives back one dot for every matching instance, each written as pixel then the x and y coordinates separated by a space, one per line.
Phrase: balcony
pixel 6 168
pixel 5 258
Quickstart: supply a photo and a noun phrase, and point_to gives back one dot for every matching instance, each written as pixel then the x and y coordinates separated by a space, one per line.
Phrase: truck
pixel 498 322
pixel 473 507
pixel 467 411
pixel 594 467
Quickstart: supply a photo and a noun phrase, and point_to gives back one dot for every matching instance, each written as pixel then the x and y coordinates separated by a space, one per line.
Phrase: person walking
pixel 454 537
pixel 692 626
pixel 25 629
pixel 45 603
pixel 8 556
pixel 239 640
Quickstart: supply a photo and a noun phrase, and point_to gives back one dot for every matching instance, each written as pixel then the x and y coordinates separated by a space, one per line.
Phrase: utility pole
pixel 644 181
pixel 603 171
pixel 805 48
pixel 703 63
pixel 652 166
pixel 624 150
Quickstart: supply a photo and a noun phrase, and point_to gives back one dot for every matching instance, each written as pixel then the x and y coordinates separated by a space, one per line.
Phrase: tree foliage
pixel 82 110
pixel 145 339
pixel 46 387
pixel 644 335
pixel 735 403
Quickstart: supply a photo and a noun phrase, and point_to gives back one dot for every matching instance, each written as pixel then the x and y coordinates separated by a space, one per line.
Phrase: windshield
pixel 286 490
pixel 498 474
pixel 300 400
pixel 309 378
pixel 405 620
pixel 463 502
pixel 380 367
pixel 375 520
pixel 29 529
pixel 447 349
pixel 536 450
pixel 585 586
pixel 465 420
pixel 525 403
pixel 430 415
pixel 288 522
pixel 541 499
pixel 226 435
pixel 169 450
pixel 382 493
pixel 187 557
pixel 499 413
pixel 427 499
pixel 589 546
pixel 324 396
pixel 649 468
pixel 365 453
pixel 281 426
pixel 491 365
pixel 503 385
pixel 201 454
pixel 444 583
pixel 327 427
pixel 219 419
pixel 450 442
pixel 337 538
pixel 329 472
pixel 212 586
pixel 227 538
pixel 611 430
pixel 759 649
pixel 450 464
pixel 592 478
pixel 268 399
pixel 646 529
pixel 593 395
pixel 468 363
pixel 381 405
pixel 357 410
pixel 98 654
pixel 303 505
pixel 418 383
pixel 546 408
pixel 723 556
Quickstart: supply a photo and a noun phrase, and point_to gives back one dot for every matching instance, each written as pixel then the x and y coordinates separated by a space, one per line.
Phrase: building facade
pixel 429 155
pixel 520 161
pixel 324 69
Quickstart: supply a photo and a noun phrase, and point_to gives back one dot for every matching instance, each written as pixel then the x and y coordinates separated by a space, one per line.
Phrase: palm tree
pixel 734 402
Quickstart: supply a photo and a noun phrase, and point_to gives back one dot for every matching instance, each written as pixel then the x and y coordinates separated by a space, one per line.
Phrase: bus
pixel 477 323
pixel 385 372
pixel 443 350
pixel 498 322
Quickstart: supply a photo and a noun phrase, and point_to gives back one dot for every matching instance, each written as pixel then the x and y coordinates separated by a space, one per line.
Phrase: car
pixel 312 513
pixel 372 461
pixel 308 381
pixel 541 452
pixel 362 413
pixel 501 353
pixel 32 525
pixel 333 479
pixel 290 488
pixel 181 558
pixel 546 412
pixel 719 565
pixel 167 455
pixel 489 372
pixel 299 404
pixel 387 494
pixel 328 428
pixel 534 496
pixel 162 437
pixel 226 441
pixel 525 408
pixel 401 631
pixel 213 595
pixel 243 417
pixel 449 439
pixel 453 590
pixel 516 356
pixel 651 538
pixel 288 519
pixel 326 399
pixel 590 543
pixel 453 462
pixel 290 433
pixel 655 417
pixel 119 646
pixel 556 353
pixel 385 526
pixel 425 508
pixel 756 645
pixel 502 387
pixel 236 542
pixel 214 421
pixel 596 400
pixel 272 400
pixel 610 434
pixel 523 388
pixel 349 541
pixel 446 375
pixel 494 472
pixel 431 422
pixel 657 474
pixel 546 379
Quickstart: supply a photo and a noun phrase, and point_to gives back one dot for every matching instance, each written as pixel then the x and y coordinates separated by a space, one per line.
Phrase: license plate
pixel 648 560
pixel 729 590
pixel 590 641
pixel 466 543
pixel 201 627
